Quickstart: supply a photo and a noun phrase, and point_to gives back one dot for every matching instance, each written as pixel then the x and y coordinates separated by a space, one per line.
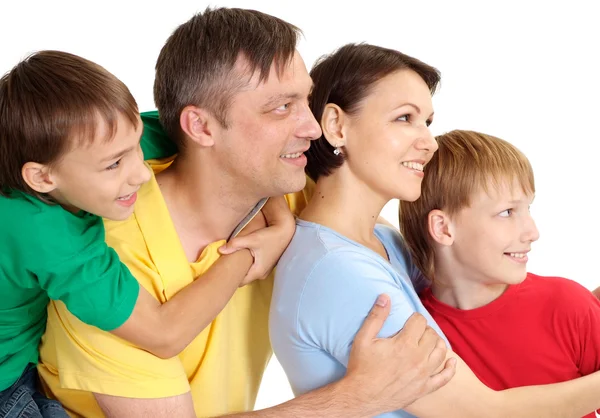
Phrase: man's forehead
pixel 292 71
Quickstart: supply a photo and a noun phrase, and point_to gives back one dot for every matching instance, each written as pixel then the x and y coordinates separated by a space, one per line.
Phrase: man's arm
pixel 117 407
pixel 179 320
pixel 383 375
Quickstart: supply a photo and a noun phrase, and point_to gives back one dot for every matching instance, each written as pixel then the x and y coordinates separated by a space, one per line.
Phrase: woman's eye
pixel 403 118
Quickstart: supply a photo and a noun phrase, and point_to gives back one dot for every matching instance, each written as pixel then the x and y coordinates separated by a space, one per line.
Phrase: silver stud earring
pixel 337 151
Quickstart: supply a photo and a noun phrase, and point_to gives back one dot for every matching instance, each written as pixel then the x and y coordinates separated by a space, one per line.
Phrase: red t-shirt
pixel 544 330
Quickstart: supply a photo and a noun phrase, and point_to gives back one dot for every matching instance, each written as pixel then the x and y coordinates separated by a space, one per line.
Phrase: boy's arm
pixel 166 329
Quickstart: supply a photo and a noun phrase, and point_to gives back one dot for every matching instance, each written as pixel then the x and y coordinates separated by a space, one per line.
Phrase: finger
pixel 276 210
pixel 413 329
pixel 247 241
pixel 438 354
pixel 374 321
pixel 225 249
pixel 443 377
pixel 429 338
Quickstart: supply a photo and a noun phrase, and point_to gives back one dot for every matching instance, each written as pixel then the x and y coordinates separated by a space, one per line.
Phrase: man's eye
pixel 283 108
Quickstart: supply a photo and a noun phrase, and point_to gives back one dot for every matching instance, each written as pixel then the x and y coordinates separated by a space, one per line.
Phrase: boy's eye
pixel 505 213
pixel 114 166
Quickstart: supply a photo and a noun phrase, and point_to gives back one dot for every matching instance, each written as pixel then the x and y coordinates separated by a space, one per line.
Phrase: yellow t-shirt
pixel 222 366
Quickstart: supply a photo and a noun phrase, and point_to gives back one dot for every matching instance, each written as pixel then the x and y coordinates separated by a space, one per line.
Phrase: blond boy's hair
pixel 465 163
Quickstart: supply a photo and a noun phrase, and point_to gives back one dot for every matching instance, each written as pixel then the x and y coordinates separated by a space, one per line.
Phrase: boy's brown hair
pixel 196 65
pixel 50 102
pixel 464 164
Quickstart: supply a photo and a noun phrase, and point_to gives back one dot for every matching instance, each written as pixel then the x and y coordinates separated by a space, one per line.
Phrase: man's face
pixel 103 177
pixel 494 235
pixel 270 127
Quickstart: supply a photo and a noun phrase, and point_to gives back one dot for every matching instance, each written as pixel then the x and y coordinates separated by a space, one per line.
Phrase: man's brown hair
pixel 345 78
pixel 50 102
pixel 465 163
pixel 196 66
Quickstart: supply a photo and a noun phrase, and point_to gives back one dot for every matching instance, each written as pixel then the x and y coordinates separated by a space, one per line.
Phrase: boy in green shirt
pixel 69 155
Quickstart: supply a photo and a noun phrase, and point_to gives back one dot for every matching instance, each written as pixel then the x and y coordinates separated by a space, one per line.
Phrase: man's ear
pixel 199 125
pixel 333 124
pixel 38 177
pixel 440 227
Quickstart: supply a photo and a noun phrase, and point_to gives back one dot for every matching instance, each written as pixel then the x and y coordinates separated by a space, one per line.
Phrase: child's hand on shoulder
pixel 267 236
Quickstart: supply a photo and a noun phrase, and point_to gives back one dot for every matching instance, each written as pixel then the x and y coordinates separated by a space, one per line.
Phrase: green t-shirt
pixel 50 253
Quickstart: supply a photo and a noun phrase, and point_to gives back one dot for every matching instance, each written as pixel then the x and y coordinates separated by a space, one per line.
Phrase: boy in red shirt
pixel 470 233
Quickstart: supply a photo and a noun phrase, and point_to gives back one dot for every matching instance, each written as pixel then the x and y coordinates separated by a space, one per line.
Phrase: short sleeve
pixel 337 297
pixel 77 267
pixel 92 360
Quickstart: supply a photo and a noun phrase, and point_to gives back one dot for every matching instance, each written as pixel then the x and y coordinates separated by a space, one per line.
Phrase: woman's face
pixel 388 139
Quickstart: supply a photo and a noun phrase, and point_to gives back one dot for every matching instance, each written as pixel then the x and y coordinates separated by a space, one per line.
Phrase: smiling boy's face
pixel 493 236
pixel 102 177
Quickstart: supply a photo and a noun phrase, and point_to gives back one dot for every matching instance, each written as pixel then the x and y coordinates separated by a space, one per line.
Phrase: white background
pixel 524 71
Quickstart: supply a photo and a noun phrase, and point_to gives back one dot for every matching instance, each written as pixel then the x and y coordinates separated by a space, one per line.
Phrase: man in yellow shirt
pixel 232 92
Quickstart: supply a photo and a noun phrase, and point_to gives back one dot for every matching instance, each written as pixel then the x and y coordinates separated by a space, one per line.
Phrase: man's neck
pixel 203 206
pixel 454 287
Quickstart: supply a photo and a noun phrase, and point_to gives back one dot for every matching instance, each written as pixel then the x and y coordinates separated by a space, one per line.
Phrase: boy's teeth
pixel 294 155
pixel 413 165
pixel 125 197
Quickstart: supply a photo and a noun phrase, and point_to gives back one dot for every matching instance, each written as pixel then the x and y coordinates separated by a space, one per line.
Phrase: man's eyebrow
pixel 280 98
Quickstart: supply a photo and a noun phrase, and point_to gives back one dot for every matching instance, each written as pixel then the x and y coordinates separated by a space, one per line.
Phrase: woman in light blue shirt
pixel 375 108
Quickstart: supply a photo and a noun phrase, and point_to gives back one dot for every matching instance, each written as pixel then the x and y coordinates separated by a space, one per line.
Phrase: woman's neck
pixel 347 206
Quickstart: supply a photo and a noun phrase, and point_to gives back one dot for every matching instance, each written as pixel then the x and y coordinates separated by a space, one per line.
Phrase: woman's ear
pixel 333 125
pixel 440 227
pixel 38 177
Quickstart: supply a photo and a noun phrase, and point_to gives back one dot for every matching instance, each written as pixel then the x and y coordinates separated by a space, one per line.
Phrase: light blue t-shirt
pixel 325 286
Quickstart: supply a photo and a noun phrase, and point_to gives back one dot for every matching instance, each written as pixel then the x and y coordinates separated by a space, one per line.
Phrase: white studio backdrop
pixel 525 71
